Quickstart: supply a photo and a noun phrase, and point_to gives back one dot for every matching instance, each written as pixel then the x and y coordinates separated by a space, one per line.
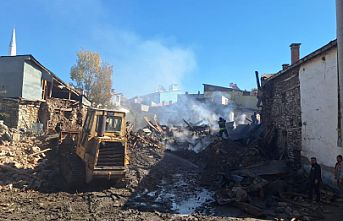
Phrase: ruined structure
pixel 300 107
pixel 281 111
pixel 34 98
pixel 223 96
pixel 230 95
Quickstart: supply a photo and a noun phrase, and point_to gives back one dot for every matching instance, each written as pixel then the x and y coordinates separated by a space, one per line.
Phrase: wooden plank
pixel 266 168
pixel 150 124
pixel 42 151
pixel 67 109
pixel 158 126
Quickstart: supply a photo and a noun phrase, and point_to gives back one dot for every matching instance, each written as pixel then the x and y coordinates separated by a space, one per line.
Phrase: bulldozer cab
pixel 103 124
pixel 102 144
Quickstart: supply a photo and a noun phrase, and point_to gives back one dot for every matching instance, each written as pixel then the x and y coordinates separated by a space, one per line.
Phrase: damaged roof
pixel 29 57
pixel 209 87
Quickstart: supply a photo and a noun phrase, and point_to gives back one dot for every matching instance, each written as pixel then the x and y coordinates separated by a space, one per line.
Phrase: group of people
pixel 315 177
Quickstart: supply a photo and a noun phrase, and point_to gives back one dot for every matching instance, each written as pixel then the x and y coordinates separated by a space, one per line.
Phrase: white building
pixel 116 98
pixel 319 108
pixel 301 104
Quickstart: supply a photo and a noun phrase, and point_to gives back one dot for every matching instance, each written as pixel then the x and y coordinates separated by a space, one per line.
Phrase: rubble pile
pixel 266 197
pixel 191 137
pixel 223 155
pixel 218 155
pixel 4 133
pixel 245 178
pixel 224 172
pixel 24 164
pixel 198 128
pixel 188 139
pixel 66 114
pixel 153 135
pixel 144 139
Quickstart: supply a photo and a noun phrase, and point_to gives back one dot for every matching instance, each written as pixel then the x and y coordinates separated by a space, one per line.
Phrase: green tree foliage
pixel 93 76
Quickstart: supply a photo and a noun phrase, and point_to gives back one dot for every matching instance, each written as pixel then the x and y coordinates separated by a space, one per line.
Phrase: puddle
pixel 189 205
pixel 184 198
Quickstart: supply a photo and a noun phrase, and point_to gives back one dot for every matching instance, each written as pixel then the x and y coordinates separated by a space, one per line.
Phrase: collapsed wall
pixel 9 112
pixel 19 114
pixel 68 114
pixel 42 116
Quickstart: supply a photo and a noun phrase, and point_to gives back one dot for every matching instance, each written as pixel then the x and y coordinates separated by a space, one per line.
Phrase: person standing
pixel 222 127
pixel 315 179
pixel 339 172
pixel 254 118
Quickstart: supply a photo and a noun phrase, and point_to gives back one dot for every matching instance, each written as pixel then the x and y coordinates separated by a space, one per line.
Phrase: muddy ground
pixel 160 185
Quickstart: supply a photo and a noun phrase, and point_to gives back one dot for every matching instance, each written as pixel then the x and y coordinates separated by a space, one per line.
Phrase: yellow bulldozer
pixel 98 151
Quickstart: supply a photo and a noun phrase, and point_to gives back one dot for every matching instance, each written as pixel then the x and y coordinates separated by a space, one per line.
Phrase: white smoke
pixel 199 113
pixel 141 65
pixel 241 119
pixel 187 140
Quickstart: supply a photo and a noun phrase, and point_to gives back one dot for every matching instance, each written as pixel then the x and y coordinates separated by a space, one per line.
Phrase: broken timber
pixel 271 167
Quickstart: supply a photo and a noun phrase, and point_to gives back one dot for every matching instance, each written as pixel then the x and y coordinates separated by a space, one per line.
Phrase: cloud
pixel 140 65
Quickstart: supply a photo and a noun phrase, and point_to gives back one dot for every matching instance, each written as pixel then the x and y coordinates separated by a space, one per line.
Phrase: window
pixel 86 126
pixel 44 84
pixel 113 123
pixel 86 129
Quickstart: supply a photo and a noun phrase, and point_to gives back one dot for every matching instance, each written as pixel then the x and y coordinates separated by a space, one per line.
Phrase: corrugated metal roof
pixel 54 76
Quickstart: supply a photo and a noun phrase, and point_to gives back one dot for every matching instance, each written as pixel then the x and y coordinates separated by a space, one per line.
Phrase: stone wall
pixel 19 114
pixel 23 114
pixel 9 112
pixel 28 114
pixel 281 112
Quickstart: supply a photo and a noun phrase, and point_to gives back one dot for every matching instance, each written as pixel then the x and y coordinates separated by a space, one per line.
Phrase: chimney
pixel 285 66
pixel 295 52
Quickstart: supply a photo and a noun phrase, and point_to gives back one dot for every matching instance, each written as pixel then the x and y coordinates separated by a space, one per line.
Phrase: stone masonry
pixel 19 114
pixel 23 114
pixel 281 112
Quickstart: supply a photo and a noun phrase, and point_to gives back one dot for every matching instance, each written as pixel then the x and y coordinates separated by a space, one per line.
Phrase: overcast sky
pixel 160 42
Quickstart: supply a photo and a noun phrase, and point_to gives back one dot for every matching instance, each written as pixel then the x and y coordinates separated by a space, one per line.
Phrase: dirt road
pixel 159 185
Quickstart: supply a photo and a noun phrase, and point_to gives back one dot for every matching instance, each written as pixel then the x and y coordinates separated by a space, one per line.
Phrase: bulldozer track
pixel 73 170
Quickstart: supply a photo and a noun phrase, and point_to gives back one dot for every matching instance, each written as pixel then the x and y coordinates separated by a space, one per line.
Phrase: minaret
pixel 12 51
